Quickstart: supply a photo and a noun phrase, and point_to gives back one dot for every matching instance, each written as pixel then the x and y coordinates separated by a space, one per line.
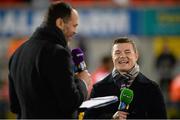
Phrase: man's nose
pixel 122 55
pixel 74 32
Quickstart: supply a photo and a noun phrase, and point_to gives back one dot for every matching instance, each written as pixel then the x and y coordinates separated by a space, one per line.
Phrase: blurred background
pixel 153 24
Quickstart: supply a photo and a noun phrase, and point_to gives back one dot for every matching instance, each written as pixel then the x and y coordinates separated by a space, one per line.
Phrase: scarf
pixel 125 79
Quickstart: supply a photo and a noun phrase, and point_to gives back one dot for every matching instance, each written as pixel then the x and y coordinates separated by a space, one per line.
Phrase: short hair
pixel 56 10
pixel 125 40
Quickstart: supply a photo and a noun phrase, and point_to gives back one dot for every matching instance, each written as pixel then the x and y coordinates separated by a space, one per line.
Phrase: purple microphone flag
pixel 77 55
pixel 78 58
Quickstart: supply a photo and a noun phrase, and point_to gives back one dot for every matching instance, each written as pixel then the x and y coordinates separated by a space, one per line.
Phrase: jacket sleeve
pixel 93 92
pixel 68 91
pixel 157 108
pixel 13 99
pixel 14 102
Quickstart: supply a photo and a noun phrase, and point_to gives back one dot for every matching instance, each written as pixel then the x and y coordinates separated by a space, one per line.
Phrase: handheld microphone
pixel 126 98
pixel 78 58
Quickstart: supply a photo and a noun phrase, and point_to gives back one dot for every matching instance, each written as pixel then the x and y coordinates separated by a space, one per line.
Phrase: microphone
pixel 126 98
pixel 78 58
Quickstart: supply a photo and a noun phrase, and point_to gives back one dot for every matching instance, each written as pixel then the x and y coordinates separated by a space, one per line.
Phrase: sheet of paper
pixel 99 101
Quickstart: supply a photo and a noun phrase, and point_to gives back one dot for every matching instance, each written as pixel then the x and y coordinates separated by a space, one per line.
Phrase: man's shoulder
pixel 142 79
pixel 106 80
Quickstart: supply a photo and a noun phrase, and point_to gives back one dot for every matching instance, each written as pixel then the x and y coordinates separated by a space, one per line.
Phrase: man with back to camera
pixel 41 81
pixel 147 102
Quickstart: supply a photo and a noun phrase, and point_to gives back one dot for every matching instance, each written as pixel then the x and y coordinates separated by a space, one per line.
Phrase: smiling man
pixel 147 102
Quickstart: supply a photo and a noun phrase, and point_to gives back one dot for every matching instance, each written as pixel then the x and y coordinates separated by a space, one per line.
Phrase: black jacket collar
pixel 140 79
pixel 50 33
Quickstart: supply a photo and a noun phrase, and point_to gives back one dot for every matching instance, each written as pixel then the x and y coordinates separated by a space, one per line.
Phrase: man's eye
pixel 128 52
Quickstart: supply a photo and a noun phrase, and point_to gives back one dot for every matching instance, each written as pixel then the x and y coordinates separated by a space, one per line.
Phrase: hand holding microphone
pixel 126 98
pixel 80 66
pixel 120 115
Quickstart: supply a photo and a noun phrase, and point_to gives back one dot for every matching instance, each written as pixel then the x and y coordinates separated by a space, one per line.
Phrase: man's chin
pixel 123 69
pixel 69 39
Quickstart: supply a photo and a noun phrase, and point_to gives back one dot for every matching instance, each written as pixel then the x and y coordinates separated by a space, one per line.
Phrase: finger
pixel 116 115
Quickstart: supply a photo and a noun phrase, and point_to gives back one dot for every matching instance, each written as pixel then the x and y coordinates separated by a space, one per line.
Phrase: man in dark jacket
pixel 147 102
pixel 41 81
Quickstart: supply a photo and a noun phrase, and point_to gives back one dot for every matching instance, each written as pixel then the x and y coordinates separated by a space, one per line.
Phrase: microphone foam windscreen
pixel 126 96
pixel 77 55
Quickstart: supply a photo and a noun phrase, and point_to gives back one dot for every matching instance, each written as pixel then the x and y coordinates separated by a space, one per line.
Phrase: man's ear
pixel 137 55
pixel 60 23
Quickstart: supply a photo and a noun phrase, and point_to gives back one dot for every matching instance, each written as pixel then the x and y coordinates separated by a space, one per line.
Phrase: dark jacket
pixel 41 79
pixel 147 101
